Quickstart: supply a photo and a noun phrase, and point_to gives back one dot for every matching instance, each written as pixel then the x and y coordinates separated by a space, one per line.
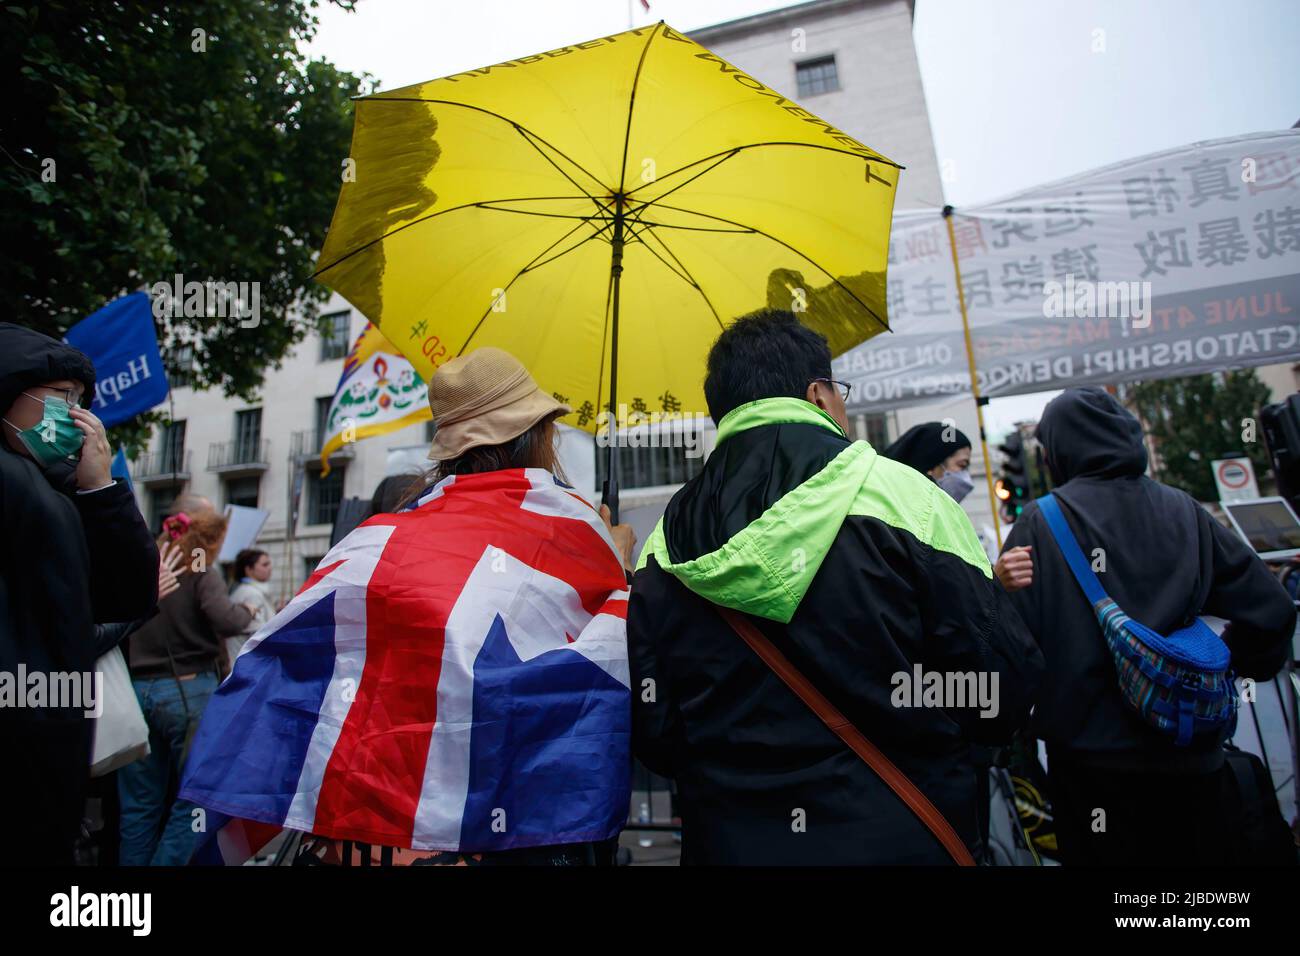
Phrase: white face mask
pixel 957 483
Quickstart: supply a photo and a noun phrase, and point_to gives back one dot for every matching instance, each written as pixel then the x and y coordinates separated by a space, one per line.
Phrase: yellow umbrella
pixel 602 211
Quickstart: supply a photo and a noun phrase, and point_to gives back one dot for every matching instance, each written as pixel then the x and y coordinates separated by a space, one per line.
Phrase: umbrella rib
pixel 505 119
pixel 684 275
pixel 535 265
pixel 434 215
pixel 725 157
pixel 532 264
pixel 668 225
pixel 548 215
pixel 728 153
pixel 631 103
pixel 807 258
pixel 528 139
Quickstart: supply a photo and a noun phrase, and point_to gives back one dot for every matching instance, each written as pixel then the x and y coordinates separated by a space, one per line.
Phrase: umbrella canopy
pixel 602 211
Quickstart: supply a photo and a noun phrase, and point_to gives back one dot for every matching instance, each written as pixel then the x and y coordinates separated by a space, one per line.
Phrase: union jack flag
pixel 452 677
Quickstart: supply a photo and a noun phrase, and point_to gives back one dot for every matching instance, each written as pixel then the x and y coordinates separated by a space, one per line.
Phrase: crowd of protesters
pixel 796 577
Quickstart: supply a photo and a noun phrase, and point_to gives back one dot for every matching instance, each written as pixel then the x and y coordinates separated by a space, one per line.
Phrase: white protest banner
pixel 1177 263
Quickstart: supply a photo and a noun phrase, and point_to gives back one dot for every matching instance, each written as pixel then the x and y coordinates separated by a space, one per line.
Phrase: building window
pixel 243 491
pixel 309 565
pixel 248 435
pixel 180 370
pixel 334 330
pixel 323 496
pixel 160 499
pixel 171 448
pixel 322 419
pixel 817 76
pixel 877 429
pixel 651 467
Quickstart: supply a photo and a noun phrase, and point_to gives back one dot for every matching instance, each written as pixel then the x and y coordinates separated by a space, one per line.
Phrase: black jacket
pixel 857 568
pixel 67 561
pixel 190 624
pixel 1166 561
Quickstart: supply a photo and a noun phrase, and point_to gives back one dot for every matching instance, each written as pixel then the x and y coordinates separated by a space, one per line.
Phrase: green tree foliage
pixel 1197 419
pixel 145 138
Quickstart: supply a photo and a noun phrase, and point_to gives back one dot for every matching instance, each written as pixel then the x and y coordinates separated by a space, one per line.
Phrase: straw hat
pixel 484 398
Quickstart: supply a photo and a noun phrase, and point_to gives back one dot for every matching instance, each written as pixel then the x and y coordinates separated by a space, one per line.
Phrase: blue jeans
pixel 153 834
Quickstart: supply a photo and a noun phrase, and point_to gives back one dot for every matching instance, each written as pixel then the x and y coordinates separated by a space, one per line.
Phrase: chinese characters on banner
pixel 1177 263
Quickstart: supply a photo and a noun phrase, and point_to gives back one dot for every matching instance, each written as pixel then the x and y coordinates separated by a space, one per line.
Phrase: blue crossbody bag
pixel 1181 684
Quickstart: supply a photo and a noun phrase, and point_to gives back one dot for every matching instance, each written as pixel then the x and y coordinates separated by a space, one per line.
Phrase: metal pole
pixel 291 528
pixel 610 495
pixel 974 379
pixel 1294 684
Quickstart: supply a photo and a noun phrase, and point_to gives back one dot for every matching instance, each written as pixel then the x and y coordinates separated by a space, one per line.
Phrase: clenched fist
pixel 1015 568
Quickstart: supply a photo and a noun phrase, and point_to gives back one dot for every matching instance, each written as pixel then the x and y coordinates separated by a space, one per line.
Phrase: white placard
pixel 245 525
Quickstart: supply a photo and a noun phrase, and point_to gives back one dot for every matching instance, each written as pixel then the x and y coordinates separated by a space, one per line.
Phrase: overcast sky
pixel 1016 94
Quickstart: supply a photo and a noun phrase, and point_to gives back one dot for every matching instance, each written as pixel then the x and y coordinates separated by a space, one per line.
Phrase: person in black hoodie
pixel 1122 792
pixel 861 571
pixel 75 552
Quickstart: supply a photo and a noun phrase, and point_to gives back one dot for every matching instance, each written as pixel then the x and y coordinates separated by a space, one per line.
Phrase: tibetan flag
pixel 378 392
pixel 451 677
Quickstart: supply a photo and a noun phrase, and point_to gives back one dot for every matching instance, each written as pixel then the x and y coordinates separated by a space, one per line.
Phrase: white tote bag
pixel 121 735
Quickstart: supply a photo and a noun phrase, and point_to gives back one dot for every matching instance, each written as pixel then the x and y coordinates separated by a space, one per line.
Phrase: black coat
pixel 886 573
pixel 1166 561
pixel 67 561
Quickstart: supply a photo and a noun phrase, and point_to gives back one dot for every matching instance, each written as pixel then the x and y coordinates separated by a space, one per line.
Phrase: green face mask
pixel 55 437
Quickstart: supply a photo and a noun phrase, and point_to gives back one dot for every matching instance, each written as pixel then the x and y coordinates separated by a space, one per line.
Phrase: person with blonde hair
pixel 174 660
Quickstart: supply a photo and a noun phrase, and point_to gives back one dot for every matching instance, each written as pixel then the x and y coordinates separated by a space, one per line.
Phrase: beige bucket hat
pixel 484 398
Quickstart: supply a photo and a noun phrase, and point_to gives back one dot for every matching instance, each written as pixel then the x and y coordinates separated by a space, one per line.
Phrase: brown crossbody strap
pixel 919 804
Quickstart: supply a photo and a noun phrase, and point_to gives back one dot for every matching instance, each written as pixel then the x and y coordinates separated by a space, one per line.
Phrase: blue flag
pixel 120 469
pixel 121 342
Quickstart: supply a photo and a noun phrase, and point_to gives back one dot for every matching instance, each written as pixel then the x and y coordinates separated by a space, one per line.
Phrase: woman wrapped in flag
pixel 451 684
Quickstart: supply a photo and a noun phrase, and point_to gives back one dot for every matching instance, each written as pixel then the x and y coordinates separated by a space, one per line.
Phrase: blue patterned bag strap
pixel 1069 546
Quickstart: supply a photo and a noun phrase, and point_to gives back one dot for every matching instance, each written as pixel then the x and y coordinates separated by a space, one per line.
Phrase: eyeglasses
pixel 844 388
pixel 70 395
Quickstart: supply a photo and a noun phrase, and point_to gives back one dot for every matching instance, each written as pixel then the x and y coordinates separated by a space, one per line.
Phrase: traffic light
pixel 1013 487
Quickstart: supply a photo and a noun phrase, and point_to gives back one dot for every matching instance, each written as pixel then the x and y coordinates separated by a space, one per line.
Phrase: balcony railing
pixel 240 455
pixel 306 446
pixel 171 464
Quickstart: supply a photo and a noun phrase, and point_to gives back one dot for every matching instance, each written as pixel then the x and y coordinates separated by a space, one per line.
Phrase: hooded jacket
pixel 859 569
pixel 67 561
pixel 1166 560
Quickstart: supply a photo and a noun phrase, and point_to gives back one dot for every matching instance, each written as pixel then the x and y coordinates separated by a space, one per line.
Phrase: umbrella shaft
pixel 616 275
